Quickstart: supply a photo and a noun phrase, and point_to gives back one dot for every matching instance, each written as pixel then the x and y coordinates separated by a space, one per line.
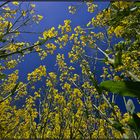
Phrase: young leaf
pixel 124 88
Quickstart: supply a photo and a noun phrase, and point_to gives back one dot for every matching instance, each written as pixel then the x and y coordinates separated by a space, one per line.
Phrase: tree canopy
pixel 71 104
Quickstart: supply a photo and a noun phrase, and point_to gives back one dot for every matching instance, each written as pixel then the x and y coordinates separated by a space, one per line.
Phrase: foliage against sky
pixel 71 104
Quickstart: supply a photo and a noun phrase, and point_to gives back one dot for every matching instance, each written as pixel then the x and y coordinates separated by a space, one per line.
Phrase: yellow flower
pixel 77 93
pixel 66 22
pixel 50 33
pixel 138 115
pixel 49 83
pixel 53 75
pixel 11 64
pixel 7 8
pixel 15 3
pixel 37 94
pixel 110 30
pixel 24 13
pixel 50 48
pixel 125 119
pixel 122 4
pixel 33 5
pixel 67 86
pixel 119 30
pixel 40 17
pixel 37 74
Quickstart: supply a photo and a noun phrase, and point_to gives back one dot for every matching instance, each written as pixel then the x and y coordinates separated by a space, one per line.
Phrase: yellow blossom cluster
pixel 60 61
pixel 122 4
pixel 15 3
pixel 70 105
pixel 10 82
pixel 11 64
pixel 53 75
pixel 119 31
pixel 62 41
pixel 36 18
pixel 101 18
pixel 91 7
pixel 4 24
pixel 66 27
pixel 37 74
pixel 22 90
pixel 50 33
pixel 50 48
pixel 75 53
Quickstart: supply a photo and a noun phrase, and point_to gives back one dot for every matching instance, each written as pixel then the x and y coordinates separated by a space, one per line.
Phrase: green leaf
pixel 118 126
pixel 3 40
pixel 124 88
pixel 2 76
pixel 118 59
pixel 137 120
pixel 134 123
pixel 137 4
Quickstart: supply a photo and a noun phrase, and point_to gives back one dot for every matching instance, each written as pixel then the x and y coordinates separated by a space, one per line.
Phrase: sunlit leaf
pixel 124 88
pixel 137 4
